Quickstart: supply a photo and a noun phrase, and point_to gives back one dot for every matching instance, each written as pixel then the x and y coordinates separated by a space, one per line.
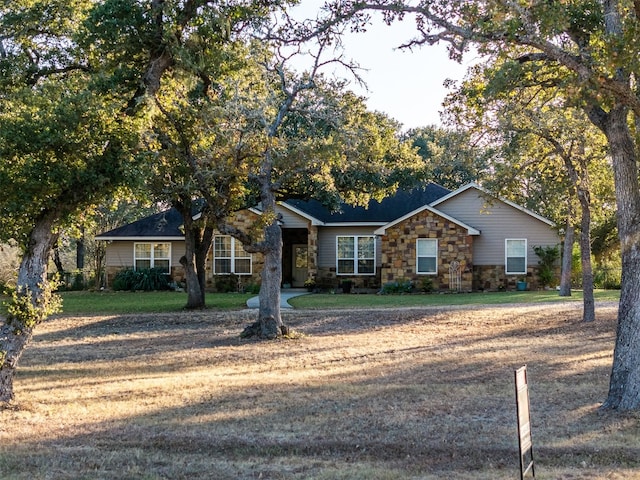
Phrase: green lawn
pixel 143 302
pixel 317 301
pixel 76 303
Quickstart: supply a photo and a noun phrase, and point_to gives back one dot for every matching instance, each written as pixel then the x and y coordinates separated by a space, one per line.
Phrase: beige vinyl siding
pixel 497 221
pixel 120 253
pixel 177 251
pixel 327 243
pixel 291 219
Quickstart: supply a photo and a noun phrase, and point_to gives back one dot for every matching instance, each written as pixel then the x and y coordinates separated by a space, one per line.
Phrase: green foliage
pixel 146 279
pixel 608 276
pixel 27 309
pixel 426 284
pixel 451 158
pixel 397 287
pixel 548 257
pixel 252 288
pixel 226 283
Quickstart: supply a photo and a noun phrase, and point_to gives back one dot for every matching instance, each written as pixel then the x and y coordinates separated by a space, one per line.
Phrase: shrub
pixel 426 284
pixel 607 277
pixel 124 279
pixel 77 283
pixel 252 288
pixel 548 256
pixel 398 286
pixel 226 283
pixel 147 279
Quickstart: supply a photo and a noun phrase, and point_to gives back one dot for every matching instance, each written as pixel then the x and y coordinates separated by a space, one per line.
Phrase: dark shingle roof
pixel 385 211
pixel 163 224
pixel 168 223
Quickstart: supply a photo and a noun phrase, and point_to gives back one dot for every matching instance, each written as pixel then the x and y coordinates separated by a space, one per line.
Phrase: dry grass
pixel 423 393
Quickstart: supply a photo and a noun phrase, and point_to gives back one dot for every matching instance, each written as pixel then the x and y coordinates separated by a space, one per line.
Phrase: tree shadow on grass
pixel 435 399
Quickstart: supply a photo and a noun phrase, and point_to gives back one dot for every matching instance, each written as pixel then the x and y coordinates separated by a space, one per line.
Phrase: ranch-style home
pixel 460 240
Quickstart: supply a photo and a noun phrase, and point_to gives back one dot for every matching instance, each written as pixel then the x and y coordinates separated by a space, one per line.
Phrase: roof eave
pixel 314 221
pixel 111 238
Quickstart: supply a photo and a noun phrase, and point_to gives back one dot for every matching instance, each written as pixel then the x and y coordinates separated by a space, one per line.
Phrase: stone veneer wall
pixel 399 250
pixel 245 221
pixel 493 278
pixel 327 278
pixel 312 256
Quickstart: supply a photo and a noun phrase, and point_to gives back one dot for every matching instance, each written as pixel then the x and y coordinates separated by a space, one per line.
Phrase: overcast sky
pixel 407 85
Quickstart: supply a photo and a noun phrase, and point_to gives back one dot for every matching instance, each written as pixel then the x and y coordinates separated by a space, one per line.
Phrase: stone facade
pixel 494 278
pixel 455 252
pixel 327 278
pixel 244 220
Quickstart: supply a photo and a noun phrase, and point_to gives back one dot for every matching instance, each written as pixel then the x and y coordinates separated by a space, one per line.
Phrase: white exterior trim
pixel 141 239
pixel 355 224
pixel 437 257
pixel 355 256
pixel 526 255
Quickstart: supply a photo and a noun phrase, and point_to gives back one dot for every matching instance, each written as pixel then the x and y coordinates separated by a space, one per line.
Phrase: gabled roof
pixel 167 225
pixel 161 226
pixel 376 213
pixel 470 230
pixel 486 192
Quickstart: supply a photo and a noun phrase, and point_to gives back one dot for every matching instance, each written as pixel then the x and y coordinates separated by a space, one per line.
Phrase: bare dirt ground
pixel 424 393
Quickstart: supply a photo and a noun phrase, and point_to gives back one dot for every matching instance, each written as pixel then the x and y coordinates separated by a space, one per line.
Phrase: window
pixel 356 255
pixel 427 255
pixel 152 255
pixel 516 256
pixel 230 257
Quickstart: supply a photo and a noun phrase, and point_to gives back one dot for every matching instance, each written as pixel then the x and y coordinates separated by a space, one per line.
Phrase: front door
pixel 299 262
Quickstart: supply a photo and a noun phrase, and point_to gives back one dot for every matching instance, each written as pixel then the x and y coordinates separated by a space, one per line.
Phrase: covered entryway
pixel 300 265
pixel 295 256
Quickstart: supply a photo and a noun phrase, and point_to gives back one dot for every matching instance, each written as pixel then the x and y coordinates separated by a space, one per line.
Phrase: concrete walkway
pixel 285 295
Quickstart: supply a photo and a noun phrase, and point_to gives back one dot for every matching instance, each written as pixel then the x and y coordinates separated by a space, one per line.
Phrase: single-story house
pixel 460 240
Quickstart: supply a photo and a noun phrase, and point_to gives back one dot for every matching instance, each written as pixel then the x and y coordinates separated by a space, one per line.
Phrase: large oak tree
pixel 75 76
pixel 593 48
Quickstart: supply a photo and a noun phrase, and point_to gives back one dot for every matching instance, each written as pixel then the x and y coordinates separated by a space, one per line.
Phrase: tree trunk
pixel 589 309
pixel 202 250
pixel 269 324
pixel 624 386
pixel 80 251
pixel 567 258
pixel 11 348
pixel 269 316
pixel 16 333
pixel 195 292
pixel 195 296
pixel 57 261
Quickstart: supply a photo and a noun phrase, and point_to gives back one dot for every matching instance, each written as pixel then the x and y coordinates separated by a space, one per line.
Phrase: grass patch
pixel 321 301
pixel 75 303
pixel 364 394
pixel 90 303
pixel 78 303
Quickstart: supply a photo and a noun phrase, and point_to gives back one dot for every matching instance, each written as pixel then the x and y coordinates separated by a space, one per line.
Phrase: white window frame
pixel 356 255
pixel 233 258
pixel 418 256
pixel 152 259
pixel 506 256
